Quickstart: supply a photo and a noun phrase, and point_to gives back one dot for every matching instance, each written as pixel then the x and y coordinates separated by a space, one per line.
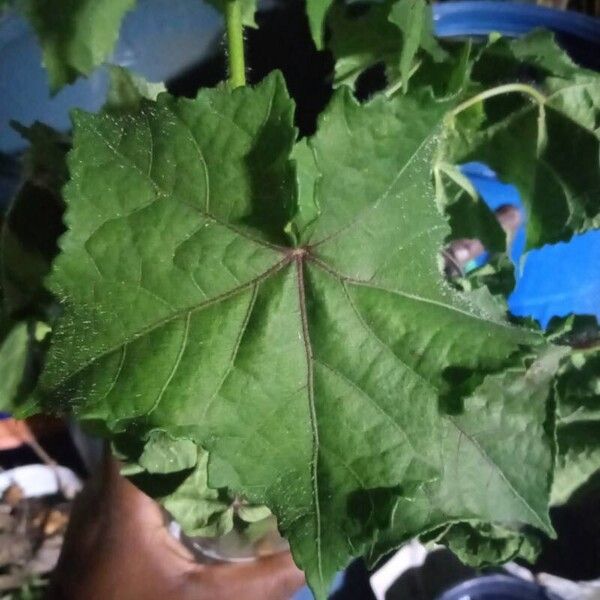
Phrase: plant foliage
pixel 262 323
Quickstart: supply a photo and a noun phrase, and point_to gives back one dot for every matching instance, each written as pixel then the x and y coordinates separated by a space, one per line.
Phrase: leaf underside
pixel 321 376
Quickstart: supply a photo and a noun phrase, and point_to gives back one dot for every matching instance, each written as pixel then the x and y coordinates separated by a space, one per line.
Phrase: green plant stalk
pixel 498 91
pixel 509 88
pixel 235 43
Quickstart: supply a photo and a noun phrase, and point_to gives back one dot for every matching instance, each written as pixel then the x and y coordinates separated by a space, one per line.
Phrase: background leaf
pixel 316 11
pixel 578 409
pixel 127 90
pixel 76 35
pixel 165 454
pixel 415 21
pixel 482 545
pixel 559 180
pixel 13 362
pixel 29 234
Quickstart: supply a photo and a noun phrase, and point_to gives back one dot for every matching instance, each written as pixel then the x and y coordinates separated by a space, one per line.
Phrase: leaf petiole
pixel 508 88
pixel 235 43
pixel 498 91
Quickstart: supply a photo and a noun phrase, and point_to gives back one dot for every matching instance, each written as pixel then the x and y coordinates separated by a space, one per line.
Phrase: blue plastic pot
pixel 557 279
pixel 498 587
pixel 577 33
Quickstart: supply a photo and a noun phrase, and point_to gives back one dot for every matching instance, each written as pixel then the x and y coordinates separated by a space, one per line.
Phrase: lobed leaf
pixel 338 379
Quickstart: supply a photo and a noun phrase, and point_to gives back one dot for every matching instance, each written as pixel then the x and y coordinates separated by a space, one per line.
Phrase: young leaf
pixel 196 507
pixel 165 454
pixel 76 36
pixel 360 42
pixel 318 376
pixel 252 514
pixel 482 545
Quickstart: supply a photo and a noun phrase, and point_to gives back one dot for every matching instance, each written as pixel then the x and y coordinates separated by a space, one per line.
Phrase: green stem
pixel 394 87
pixel 235 43
pixel 498 91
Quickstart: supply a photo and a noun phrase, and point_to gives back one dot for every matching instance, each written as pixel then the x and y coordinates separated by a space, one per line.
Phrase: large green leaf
pixel 76 35
pixel 327 379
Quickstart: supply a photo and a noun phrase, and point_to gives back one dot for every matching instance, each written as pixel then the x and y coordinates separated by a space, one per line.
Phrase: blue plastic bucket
pixel 498 587
pixel 557 279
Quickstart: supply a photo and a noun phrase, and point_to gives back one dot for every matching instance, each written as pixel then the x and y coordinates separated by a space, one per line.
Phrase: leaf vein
pixel 496 468
pixel 178 358
pixel 312 410
pixel 200 306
